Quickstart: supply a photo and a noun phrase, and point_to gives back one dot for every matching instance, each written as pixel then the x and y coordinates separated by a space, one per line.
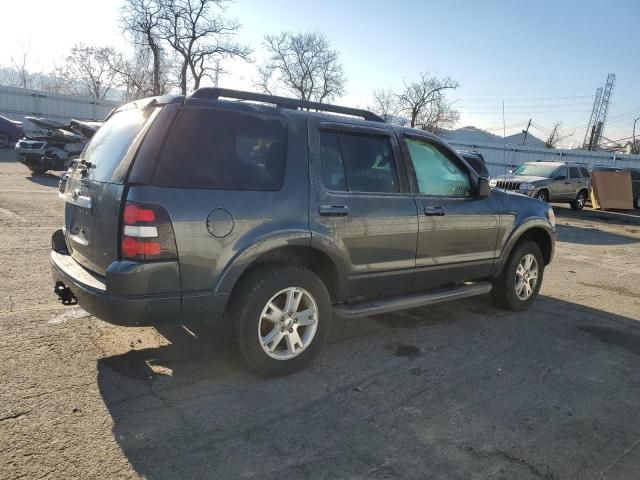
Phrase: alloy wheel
pixel 288 323
pixel 581 199
pixel 526 276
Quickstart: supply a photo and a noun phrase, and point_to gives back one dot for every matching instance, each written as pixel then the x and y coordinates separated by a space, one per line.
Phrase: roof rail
pixel 283 102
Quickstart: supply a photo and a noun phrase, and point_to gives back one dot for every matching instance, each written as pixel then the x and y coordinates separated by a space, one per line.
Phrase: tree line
pixel 177 44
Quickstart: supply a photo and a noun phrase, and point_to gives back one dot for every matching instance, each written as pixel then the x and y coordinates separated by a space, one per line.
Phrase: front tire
pixel 518 285
pixel 39 169
pixel 281 316
pixel 543 195
pixel 581 199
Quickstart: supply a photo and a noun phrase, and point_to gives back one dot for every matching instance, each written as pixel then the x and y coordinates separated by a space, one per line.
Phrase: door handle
pixel 434 211
pixel 333 210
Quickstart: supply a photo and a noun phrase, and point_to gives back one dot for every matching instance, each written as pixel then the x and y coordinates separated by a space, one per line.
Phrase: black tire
pixel 39 169
pixel 543 195
pixel 581 199
pixel 4 140
pixel 251 297
pixel 504 293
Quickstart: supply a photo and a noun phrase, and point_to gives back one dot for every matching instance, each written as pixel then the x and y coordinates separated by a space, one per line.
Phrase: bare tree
pixel 136 76
pixel 142 19
pixel 385 104
pixel 88 71
pixel 21 76
pixel 54 81
pixel 424 102
pixel 555 136
pixel 304 65
pixel 199 33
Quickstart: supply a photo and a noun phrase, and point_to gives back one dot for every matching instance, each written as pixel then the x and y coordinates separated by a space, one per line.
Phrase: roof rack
pixel 283 102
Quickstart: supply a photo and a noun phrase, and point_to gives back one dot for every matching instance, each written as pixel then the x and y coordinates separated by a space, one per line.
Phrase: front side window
pixel 210 148
pixel 561 174
pixel 436 173
pixel 357 162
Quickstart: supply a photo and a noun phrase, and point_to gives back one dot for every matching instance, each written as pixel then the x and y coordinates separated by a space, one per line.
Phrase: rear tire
pixel 581 199
pixel 543 195
pixel 275 340
pixel 4 140
pixel 509 290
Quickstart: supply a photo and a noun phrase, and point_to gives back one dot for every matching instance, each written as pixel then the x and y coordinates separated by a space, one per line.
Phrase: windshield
pixel 536 169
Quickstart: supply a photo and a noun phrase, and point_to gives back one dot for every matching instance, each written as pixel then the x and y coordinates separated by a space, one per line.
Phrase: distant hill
pixel 477 135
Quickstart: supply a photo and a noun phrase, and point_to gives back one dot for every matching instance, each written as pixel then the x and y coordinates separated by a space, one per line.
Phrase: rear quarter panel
pixel 262 220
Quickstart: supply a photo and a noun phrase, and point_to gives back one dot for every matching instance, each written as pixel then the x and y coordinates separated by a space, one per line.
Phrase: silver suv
pixel 549 181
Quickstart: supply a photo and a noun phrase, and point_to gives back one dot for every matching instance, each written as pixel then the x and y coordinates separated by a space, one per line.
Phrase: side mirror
pixel 484 190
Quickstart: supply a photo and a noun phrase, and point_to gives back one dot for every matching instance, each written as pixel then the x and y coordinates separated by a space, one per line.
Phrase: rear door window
pixel 575 172
pixel 108 147
pixel 212 148
pixel 358 162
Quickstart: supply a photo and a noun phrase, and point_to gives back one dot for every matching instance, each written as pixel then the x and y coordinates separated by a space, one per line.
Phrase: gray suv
pixel 264 217
pixel 550 182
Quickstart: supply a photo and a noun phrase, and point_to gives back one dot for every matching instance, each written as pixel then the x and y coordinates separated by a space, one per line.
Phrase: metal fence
pixel 17 103
pixel 500 158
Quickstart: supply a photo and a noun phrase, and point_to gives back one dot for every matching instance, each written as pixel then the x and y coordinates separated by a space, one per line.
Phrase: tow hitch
pixel 65 295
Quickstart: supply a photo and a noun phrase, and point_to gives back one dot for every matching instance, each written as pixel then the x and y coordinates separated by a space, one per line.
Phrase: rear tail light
pixel 147 233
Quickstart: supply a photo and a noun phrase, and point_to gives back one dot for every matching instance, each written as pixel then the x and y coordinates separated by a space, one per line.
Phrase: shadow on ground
pixel 46 179
pixel 592 235
pixel 453 391
pixel 617 217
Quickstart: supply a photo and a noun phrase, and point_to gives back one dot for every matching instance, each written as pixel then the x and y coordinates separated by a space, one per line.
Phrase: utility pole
pixel 634 147
pixel 526 132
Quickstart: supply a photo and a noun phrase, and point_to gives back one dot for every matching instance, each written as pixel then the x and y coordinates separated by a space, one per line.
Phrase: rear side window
pixel 225 150
pixel 357 162
pixel 108 147
pixel 584 172
pixel 575 172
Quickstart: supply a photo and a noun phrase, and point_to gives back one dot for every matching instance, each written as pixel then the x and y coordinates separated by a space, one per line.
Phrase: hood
pixel 521 178
pixel 85 128
pixel 45 123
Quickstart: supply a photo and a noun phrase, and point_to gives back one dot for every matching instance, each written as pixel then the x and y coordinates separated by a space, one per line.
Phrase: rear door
pixel 95 188
pixel 361 205
pixel 577 181
pixel 560 185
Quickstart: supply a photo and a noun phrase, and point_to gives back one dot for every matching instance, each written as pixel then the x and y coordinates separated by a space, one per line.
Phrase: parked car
pixel 476 160
pixel 550 182
pixel 54 150
pixel 10 131
pixel 266 216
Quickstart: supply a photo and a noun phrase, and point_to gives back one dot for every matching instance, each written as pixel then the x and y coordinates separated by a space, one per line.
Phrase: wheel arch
pixel 313 258
pixel 537 231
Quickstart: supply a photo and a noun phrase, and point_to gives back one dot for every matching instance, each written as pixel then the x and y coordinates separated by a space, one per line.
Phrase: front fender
pixel 517 233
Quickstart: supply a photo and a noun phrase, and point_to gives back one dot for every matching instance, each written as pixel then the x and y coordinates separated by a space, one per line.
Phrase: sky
pixel 543 59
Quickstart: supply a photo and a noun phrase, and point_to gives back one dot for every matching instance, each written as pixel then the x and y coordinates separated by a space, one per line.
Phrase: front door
pixel 361 206
pixel 458 230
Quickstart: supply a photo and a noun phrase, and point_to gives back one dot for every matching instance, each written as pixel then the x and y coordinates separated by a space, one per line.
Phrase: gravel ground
pixel 456 391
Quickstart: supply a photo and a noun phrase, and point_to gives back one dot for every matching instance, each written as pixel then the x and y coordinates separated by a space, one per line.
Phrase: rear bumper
pixel 135 293
pixel 130 310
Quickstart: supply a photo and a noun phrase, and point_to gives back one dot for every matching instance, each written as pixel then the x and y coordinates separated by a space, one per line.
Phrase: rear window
pixel 224 150
pixel 108 147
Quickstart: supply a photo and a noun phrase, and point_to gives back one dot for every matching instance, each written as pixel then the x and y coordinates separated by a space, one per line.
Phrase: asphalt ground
pixel 456 391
